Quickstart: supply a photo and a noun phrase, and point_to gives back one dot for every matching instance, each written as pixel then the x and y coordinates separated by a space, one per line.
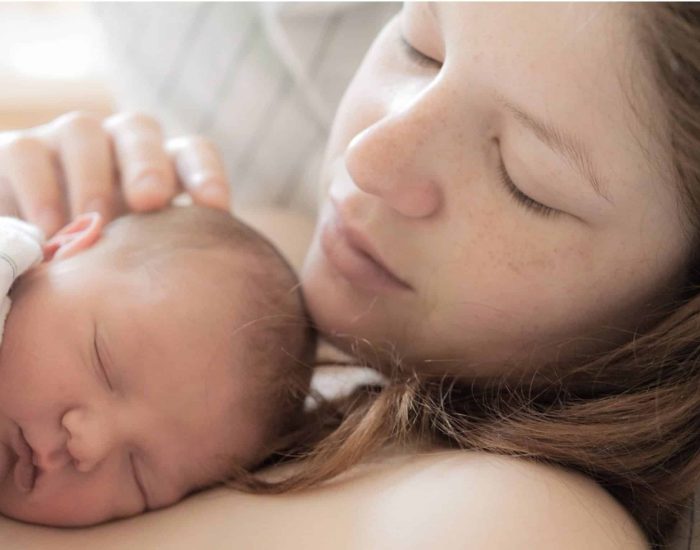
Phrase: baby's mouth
pixel 25 471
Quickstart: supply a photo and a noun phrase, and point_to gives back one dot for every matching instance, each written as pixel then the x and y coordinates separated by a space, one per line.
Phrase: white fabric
pixel 262 80
pixel 20 249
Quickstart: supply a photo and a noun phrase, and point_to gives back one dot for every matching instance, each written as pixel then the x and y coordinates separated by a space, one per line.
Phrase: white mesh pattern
pixel 261 80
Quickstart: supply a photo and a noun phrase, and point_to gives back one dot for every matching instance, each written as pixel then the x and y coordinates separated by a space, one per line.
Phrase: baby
pixel 143 360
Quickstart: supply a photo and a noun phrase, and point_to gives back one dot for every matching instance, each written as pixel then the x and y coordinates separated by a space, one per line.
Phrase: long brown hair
pixel 628 418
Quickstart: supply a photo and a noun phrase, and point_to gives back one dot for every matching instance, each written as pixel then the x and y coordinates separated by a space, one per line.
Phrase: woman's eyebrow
pixel 568 146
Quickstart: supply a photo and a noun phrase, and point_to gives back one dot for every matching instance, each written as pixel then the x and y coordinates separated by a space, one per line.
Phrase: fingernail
pixel 210 191
pixel 150 184
pixel 214 195
pixel 149 193
pixel 96 205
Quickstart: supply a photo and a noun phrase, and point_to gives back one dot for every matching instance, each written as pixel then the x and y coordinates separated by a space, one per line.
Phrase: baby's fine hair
pixel 278 342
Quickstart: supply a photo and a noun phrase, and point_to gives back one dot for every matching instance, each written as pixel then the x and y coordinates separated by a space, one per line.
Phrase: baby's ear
pixel 78 235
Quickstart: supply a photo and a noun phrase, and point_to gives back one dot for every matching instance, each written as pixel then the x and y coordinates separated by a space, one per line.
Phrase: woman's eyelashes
pixel 417 56
pixel 522 198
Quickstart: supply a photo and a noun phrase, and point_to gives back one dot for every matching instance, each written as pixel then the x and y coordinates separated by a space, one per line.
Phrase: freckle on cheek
pixel 513 267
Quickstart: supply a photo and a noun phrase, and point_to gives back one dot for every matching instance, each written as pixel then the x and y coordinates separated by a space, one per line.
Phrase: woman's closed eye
pixel 419 58
pixel 415 55
pixel 522 198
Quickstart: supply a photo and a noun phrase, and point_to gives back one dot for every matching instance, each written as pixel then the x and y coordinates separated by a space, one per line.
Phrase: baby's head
pixel 142 361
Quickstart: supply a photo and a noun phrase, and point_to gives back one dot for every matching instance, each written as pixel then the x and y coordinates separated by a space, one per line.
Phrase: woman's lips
pixel 352 255
pixel 25 471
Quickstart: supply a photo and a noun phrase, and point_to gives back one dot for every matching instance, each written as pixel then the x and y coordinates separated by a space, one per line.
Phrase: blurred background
pixel 51 62
pixel 260 79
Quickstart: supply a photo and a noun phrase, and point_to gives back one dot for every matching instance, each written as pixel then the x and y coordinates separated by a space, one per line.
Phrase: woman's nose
pixel 91 437
pixel 397 160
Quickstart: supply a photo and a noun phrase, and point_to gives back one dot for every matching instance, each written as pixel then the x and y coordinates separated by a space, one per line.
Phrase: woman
pixel 514 217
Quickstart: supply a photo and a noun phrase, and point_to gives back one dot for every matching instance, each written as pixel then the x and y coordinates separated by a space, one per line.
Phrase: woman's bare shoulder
pixel 436 500
pixel 499 502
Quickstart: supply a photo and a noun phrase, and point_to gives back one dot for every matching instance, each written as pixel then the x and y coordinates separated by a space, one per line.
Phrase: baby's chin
pixel 59 516
pixel 60 508
pixel 24 509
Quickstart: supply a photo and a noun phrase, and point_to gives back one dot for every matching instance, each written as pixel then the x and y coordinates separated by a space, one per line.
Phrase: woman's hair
pixel 628 418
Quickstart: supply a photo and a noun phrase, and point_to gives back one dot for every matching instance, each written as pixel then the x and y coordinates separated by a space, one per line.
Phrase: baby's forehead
pixel 186 355
pixel 235 279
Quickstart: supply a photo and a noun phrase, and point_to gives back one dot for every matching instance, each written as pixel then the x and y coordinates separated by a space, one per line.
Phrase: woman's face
pixel 491 193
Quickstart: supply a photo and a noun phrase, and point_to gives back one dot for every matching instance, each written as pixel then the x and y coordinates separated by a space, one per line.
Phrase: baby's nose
pixel 91 437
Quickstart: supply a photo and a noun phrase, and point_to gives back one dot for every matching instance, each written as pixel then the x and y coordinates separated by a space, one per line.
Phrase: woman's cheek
pixel 505 277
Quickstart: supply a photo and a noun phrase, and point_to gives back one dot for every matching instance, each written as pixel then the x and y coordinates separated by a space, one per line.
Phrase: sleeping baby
pixel 141 361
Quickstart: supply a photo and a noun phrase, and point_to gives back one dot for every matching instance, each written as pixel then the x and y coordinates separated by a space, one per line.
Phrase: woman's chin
pixel 334 304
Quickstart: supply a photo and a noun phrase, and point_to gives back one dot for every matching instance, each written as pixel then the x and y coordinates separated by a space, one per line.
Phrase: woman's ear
pixel 78 235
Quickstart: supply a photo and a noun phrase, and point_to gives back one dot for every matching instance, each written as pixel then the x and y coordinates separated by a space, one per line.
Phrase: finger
pixel 28 164
pixel 201 171
pixel 85 154
pixel 147 176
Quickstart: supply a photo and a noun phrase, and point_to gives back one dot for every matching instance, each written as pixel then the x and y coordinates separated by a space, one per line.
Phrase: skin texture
pixel 413 165
pixel 164 401
pixel 423 501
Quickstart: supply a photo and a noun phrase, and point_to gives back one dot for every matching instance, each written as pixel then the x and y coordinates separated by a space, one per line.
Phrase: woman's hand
pixel 79 163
